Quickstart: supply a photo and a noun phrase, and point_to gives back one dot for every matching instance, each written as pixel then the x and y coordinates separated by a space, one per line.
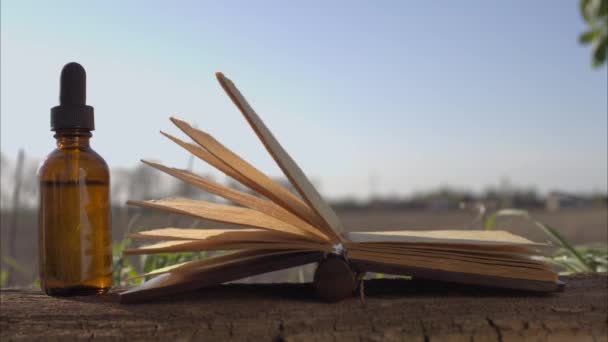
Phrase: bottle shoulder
pixel 73 164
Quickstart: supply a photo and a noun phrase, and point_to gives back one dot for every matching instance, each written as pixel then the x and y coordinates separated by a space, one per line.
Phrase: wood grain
pixel 394 310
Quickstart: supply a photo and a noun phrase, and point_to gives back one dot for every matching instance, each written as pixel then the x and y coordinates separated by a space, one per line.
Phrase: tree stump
pixel 394 310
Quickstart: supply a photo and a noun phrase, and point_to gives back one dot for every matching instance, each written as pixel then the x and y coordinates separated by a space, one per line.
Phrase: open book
pixel 280 229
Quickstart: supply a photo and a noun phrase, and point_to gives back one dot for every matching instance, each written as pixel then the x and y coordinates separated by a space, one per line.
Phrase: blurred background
pixel 406 115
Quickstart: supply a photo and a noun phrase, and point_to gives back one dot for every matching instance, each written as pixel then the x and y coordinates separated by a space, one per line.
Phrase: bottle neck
pixel 72 138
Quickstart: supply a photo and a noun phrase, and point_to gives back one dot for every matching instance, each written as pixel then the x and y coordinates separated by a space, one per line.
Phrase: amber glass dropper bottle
pixel 74 217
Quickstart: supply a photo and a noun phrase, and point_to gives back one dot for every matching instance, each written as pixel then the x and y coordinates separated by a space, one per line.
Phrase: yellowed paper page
pixel 241 234
pixel 262 205
pixel 197 265
pixel 275 192
pixel 453 265
pixel 212 160
pixel 221 213
pixel 200 274
pixel 469 248
pixel 515 260
pixel 481 237
pixel 216 245
pixel 293 172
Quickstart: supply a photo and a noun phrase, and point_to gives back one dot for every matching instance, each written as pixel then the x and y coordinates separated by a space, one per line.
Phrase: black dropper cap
pixel 72 111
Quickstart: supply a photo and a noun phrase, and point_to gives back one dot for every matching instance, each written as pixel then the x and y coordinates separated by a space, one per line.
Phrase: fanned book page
pixel 276 229
pixel 443 236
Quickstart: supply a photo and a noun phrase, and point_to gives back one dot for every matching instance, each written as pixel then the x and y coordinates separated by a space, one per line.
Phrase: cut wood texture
pixel 394 310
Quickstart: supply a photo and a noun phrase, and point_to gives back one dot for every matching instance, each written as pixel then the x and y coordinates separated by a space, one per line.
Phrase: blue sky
pixel 414 95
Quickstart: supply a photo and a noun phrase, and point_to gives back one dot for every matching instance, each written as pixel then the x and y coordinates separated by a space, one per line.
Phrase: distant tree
pixel 595 14
pixel 29 188
pixel 144 182
pixel 5 175
pixel 120 181
pixel 3 161
pixel 183 189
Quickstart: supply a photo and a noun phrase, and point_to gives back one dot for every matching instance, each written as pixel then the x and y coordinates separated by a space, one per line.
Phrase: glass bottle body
pixel 74 218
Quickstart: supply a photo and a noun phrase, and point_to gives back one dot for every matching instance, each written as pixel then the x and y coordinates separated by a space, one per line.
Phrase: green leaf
pixel 579 264
pixel 149 263
pixel 159 270
pixel 3 278
pixel 588 36
pixel 583 7
pixel 603 8
pixel 513 212
pixel 14 264
pixel 490 221
pixel 557 238
pixel 565 263
pixel 599 55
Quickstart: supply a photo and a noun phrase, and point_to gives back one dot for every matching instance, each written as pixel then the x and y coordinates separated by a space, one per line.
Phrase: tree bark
pixel 394 310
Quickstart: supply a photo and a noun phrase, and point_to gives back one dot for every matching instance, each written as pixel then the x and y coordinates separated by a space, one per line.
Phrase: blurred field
pixel 579 225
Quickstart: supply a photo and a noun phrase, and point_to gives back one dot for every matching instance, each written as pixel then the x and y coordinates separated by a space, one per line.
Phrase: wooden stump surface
pixel 394 310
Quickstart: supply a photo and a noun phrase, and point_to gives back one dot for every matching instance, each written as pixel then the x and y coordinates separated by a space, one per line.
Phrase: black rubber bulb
pixel 72 111
pixel 73 88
